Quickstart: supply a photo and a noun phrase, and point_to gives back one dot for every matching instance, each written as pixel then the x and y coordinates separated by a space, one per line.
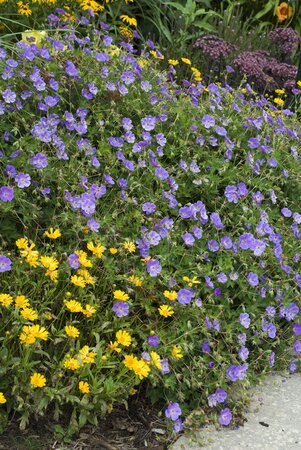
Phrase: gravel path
pixel 273 421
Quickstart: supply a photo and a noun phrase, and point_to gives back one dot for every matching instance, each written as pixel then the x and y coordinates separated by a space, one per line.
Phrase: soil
pixel 137 428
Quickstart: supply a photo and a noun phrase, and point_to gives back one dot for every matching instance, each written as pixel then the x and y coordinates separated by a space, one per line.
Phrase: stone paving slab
pixel 276 404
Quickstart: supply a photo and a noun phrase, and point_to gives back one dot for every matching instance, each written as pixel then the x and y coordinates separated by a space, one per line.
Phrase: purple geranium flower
pixel 244 320
pixel 74 261
pixel 173 411
pixel 188 239
pixel 253 279
pixel 153 267
pixel 23 180
pixel 225 417
pixel 121 309
pixel 5 263
pixel 185 296
pixel 6 193
pixel 153 340
pixel 39 161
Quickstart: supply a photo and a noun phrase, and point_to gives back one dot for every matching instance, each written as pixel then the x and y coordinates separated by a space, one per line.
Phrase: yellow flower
pixel 83 258
pixel 142 62
pixel 84 387
pixel 71 364
pixel 280 91
pixel 78 281
pixel 113 250
pixel 299 83
pixel 129 361
pixel 6 300
pixel 133 391
pixel 176 352
pixel 186 61
pixel 31 256
pixel 173 62
pixel 21 301
pixel 141 368
pixel 24 9
pixel 97 250
pixel 2 398
pixel 156 360
pixel 126 32
pixel 114 347
pixel 278 101
pixel 29 314
pixel 135 280
pixel 86 276
pixel 191 281
pixel 130 20
pixel 156 54
pixel 37 380
pixel 89 310
pixel 123 338
pixel 49 262
pixel 91 4
pixel 72 331
pixel 165 311
pixel 26 337
pixel 85 355
pixel 121 295
pixel 52 234
pixel 129 246
pixel 170 295
pixel 39 332
pixel 73 306
pixel 22 243
pixel 52 274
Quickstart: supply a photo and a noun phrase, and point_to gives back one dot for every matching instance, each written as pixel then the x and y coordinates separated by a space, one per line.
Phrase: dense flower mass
pixel 151 230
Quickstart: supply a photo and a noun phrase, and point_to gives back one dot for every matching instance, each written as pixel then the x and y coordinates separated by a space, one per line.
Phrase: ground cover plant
pixel 150 232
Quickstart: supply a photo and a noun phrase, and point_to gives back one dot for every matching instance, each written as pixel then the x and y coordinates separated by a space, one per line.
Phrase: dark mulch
pixel 137 428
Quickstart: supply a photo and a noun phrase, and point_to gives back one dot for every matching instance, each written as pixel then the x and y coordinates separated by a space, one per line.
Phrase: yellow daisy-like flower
pixel 52 274
pixel 72 331
pixel 6 300
pixel 29 314
pixel 91 4
pixel 165 311
pixel 113 250
pixel 21 301
pixel 135 280
pixel 121 295
pixel 83 258
pixel 49 262
pixel 84 387
pixel 89 310
pixel 37 380
pixel 27 337
pixel 31 256
pixel 186 61
pixel 156 54
pixel 141 368
pixel 123 338
pixel 2 398
pixel 173 62
pixel 176 352
pixel 299 83
pixel 129 361
pixel 156 360
pixel 22 243
pixel 71 364
pixel 86 356
pixel 97 250
pixel 130 20
pixel 170 295
pixel 73 306
pixel 278 101
pixel 129 246
pixel 39 332
pixel 24 9
pixel 126 32
pixel 279 91
pixel 86 276
pixel 78 281
pixel 114 347
pixel 53 234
